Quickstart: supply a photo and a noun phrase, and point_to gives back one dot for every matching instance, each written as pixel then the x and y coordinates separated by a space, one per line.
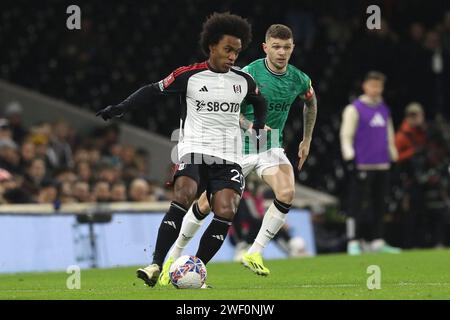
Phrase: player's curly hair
pixel 219 24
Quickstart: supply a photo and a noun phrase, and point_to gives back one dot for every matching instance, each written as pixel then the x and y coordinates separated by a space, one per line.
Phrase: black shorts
pixel 212 177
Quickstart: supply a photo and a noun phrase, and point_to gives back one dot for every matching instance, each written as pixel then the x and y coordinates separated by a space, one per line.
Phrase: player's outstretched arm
pixel 139 98
pixel 309 121
pixel 174 83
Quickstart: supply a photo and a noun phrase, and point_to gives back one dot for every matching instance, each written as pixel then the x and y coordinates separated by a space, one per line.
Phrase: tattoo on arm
pixel 309 116
pixel 244 122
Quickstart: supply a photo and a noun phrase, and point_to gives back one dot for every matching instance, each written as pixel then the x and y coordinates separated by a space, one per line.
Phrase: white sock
pixel 273 220
pixel 377 244
pixel 188 229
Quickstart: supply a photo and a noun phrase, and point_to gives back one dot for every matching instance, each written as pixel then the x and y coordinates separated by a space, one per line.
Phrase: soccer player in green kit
pixel 280 83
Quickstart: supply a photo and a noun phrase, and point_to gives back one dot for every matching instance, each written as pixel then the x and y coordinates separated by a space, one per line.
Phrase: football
pixel 188 272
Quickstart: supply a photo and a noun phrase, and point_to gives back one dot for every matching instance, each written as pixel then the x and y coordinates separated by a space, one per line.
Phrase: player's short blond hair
pixel 279 31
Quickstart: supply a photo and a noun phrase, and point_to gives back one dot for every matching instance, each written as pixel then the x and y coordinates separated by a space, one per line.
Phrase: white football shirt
pixel 211 102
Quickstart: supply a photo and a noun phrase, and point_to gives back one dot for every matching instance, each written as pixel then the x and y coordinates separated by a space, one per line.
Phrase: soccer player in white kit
pixel 210 146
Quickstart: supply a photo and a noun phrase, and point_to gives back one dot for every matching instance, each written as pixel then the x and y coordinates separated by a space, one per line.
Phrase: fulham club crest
pixel 237 88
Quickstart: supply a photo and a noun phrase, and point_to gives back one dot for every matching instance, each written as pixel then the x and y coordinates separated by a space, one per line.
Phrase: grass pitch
pixel 421 274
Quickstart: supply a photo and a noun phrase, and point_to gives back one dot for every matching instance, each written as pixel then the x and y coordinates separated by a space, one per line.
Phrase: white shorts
pixel 262 161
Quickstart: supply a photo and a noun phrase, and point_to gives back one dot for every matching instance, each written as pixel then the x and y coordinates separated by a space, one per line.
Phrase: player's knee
pixel 184 199
pixel 225 204
pixel 285 195
pixel 225 212
pixel 185 196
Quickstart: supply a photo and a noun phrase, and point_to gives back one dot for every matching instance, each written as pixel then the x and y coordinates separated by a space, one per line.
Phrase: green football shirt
pixel 280 91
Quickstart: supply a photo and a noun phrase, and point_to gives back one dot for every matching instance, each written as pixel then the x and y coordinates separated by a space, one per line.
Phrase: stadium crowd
pixel 108 58
pixel 52 163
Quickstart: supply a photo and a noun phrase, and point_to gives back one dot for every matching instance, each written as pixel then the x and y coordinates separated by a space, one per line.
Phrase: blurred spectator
pixel 47 193
pixel 11 190
pixel 129 166
pixel 84 171
pixel 40 146
pixel 141 161
pixel 6 183
pixel 410 141
pixel 101 191
pixel 39 136
pixel 66 194
pixel 65 175
pixel 139 191
pixel 411 136
pixel 27 153
pixel 59 151
pixel 113 155
pixel 81 192
pixel 5 129
pixel 128 155
pixel 13 112
pixel 108 173
pixel 431 203
pixel 42 129
pixel 110 136
pixel 118 192
pixel 9 156
pixel 93 156
pixel 81 155
pixel 435 181
pixel 35 176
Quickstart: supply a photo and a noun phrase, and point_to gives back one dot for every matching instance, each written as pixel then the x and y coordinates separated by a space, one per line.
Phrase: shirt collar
pixel 273 72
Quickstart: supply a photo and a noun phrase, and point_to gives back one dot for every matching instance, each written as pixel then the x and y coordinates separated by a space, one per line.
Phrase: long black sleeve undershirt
pixel 260 110
pixel 139 98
